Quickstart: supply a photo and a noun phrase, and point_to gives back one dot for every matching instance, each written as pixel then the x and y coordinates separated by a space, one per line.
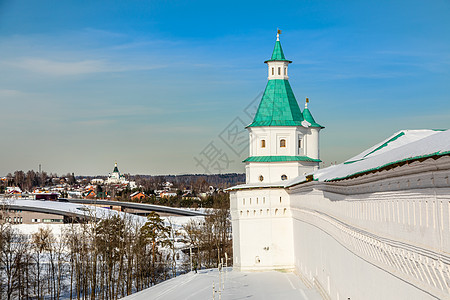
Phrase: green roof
pixel 116 170
pixel 277 53
pixel 310 119
pixel 280 159
pixel 278 106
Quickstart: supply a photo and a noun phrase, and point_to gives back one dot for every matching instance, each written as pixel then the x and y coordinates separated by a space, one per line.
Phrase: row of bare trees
pixel 106 260
pixel 210 239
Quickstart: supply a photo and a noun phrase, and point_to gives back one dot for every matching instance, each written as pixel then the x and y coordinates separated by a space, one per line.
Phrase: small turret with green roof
pixel 308 116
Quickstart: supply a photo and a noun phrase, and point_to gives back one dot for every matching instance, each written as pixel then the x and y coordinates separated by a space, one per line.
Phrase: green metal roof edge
pixel 391 163
pixel 280 158
pixel 352 161
pixel 278 60
pixel 275 123
pixel 385 144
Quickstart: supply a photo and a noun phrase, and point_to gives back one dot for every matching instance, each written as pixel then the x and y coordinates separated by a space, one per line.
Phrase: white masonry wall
pixel 262 229
pixel 300 141
pixel 380 236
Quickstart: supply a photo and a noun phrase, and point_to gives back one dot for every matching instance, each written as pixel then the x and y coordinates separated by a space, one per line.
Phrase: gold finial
pixel 278 34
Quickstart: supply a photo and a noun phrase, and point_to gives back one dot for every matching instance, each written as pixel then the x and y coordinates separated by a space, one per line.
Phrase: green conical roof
pixel 277 53
pixel 116 170
pixel 309 118
pixel 278 106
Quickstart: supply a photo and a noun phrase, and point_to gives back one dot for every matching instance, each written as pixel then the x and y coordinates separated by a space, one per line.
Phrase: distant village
pixel 172 190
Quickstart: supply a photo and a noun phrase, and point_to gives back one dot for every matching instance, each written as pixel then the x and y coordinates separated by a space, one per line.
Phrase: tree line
pixel 31 179
pixel 108 259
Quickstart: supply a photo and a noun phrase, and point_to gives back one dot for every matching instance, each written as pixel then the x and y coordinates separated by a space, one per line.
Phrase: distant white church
pixel 116 178
pixel 374 227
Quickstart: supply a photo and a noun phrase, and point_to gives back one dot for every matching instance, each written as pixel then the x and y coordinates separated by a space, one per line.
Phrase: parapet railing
pixel 426 269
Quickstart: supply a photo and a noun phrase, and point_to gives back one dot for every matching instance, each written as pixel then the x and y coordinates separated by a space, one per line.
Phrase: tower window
pixel 285 71
pixel 273 72
pixel 283 177
pixel 283 143
pixel 261 178
pixel 263 143
pixel 279 70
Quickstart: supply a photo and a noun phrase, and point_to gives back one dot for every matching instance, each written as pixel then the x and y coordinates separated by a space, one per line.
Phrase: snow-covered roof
pixel 64 208
pixel 398 139
pixel 405 145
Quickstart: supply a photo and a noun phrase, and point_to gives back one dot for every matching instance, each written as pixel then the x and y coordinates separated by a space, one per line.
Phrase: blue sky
pixel 150 84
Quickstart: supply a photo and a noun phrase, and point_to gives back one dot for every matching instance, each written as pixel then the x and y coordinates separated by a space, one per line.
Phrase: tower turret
pixel 278 64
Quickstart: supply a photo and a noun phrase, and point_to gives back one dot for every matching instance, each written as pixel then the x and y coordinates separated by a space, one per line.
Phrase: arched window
pixel 283 143
pixel 273 72
pixel 263 143
pixel 279 70
pixel 283 177
pixel 261 178
pixel 285 71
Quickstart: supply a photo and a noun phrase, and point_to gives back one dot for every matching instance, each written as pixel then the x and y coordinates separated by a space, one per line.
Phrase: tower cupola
pixel 278 64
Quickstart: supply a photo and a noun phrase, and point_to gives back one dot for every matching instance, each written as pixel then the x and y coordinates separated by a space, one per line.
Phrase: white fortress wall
pixel 384 235
pixel 262 225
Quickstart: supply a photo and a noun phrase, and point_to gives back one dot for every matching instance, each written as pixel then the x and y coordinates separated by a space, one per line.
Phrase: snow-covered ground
pixel 57 229
pixel 236 285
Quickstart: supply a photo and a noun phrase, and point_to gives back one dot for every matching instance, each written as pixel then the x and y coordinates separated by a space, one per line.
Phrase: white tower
pixel 284 144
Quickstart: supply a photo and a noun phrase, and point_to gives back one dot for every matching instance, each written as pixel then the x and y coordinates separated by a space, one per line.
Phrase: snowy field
pixel 236 285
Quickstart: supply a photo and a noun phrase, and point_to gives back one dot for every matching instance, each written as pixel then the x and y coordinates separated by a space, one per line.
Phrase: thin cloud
pixel 10 93
pixel 67 68
pixel 50 67
pixel 90 123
